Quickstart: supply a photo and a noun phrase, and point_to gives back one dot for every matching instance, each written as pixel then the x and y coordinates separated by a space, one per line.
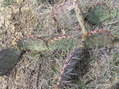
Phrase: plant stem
pixel 80 18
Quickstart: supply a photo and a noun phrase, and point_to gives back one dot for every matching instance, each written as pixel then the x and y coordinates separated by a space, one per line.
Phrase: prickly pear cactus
pixel 99 40
pixel 8 58
pixel 115 25
pixel 64 44
pixel 68 69
pixel 32 44
pixel 98 14
pixel 96 39
pixel 8 2
pixel 65 14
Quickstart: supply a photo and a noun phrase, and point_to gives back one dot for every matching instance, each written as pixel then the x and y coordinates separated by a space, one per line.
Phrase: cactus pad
pixel 98 40
pixel 98 14
pixel 8 2
pixel 65 44
pixel 69 66
pixel 32 44
pixel 8 58
pixel 64 13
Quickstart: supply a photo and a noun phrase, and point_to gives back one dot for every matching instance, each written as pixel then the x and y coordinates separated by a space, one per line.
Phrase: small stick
pixel 80 18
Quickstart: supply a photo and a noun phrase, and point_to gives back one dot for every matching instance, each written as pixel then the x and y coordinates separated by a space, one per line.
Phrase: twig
pixel 80 18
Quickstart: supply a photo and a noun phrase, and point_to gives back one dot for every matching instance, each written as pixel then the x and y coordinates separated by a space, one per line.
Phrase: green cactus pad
pixel 8 2
pixel 64 16
pixel 8 58
pixel 115 26
pixel 32 44
pixel 65 44
pixel 98 14
pixel 98 40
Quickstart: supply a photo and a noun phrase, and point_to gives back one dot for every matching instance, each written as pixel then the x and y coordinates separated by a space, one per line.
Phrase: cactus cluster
pixel 93 39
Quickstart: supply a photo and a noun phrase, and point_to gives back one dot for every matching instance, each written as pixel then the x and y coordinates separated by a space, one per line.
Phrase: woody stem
pixel 80 18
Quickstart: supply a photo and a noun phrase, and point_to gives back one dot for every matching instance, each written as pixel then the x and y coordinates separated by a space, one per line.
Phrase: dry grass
pixel 39 70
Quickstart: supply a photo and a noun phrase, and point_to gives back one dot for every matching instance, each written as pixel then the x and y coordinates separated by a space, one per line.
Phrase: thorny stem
pixel 80 18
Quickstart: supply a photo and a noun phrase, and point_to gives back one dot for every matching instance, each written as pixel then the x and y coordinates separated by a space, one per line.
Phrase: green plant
pixel 98 14
pixel 8 2
pixel 60 46
pixel 8 59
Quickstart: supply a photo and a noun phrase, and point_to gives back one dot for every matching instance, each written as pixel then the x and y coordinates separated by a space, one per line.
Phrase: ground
pixel 19 18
